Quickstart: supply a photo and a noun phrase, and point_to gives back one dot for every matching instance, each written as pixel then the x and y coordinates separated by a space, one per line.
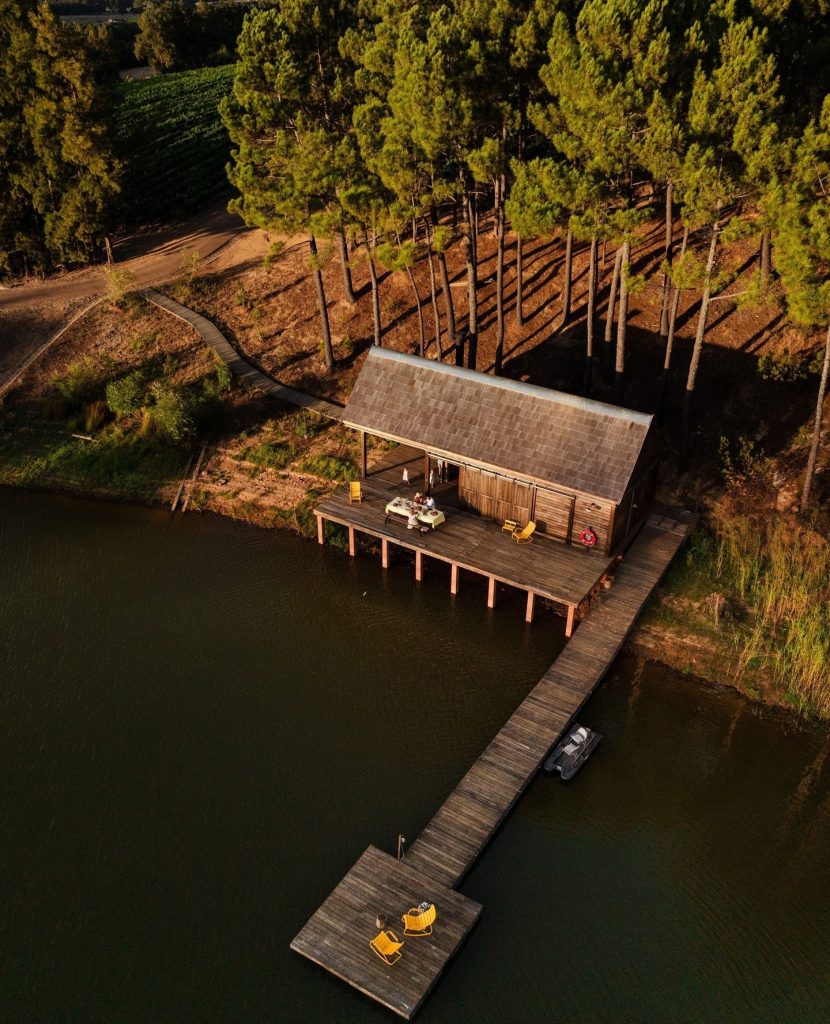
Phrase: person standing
pixel 405 477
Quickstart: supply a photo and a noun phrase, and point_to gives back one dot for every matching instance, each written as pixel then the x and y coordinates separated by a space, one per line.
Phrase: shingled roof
pixel 500 424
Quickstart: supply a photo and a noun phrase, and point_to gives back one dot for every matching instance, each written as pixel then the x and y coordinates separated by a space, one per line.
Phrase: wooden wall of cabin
pixel 640 495
pixel 495 496
pixel 552 513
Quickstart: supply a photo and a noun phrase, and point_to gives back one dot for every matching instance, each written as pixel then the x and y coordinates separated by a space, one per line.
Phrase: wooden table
pixel 404 507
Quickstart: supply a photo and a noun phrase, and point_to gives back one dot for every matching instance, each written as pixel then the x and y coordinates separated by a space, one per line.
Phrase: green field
pixel 173 144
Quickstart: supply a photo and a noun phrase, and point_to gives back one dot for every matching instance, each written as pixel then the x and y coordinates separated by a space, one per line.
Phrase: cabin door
pixel 495 496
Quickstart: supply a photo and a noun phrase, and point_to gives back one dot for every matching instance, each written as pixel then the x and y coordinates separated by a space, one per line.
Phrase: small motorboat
pixel 571 753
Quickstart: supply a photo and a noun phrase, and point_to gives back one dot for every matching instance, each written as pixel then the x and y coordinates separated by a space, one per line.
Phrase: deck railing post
pixel 321 532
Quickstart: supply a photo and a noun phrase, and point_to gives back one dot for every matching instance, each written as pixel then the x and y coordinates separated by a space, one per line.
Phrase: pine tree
pixel 290 117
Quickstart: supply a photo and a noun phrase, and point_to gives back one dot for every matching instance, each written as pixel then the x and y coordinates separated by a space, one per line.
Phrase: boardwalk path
pixel 239 366
pixel 336 937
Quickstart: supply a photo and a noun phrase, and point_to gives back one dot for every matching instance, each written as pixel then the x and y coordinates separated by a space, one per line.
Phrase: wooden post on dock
pixel 491 592
pixel 363 453
pixel 384 553
pixel 454 578
pixel 419 565
pixel 426 472
pixel 351 541
pixel 531 600
pixel 569 625
pixel 321 532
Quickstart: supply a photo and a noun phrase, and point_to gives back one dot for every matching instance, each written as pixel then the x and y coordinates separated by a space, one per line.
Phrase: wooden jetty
pixel 489 449
pixel 337 935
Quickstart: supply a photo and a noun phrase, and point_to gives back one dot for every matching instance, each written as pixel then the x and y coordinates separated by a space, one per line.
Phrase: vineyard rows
pixel 172 142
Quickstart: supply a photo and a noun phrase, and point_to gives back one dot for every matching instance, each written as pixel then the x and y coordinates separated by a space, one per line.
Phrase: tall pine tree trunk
pixel 622 323
pixel 348 289
pixel 566 284
pixel 472 283
pixel 764 259
pixel 811 461
pixel 373 276
pixel 691 380
pixel 433 294
pixel 668 246
pixel 675 305
pixel 321 303
pixel 520 319
pixel 445 282
pixel 590 318
pixel 608 346
pixel 420 312
pixel 500 277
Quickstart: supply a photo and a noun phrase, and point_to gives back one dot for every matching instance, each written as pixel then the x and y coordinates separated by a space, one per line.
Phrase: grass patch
pixel 270 455
pixel 329 467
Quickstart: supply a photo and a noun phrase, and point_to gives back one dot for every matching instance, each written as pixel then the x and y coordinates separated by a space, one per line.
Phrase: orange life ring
pixel 588 537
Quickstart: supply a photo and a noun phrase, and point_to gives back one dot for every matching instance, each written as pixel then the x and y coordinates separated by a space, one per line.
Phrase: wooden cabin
pixel 518 451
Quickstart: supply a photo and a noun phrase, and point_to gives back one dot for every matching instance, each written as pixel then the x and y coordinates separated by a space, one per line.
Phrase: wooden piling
pixel 531 601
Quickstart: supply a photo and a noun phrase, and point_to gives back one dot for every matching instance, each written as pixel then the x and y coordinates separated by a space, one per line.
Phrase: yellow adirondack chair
pixel 387 946
pixel 417 923
pixel 355 492
pixel 523 536
pixel 509 526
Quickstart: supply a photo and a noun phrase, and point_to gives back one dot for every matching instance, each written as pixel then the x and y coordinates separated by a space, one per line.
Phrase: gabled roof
pixel 547 436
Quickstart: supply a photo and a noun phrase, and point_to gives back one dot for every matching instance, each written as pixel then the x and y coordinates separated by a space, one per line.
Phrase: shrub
pixel 126 395
pixel 118 282
pixel 308 424
pixel 79 382
pixel 172 412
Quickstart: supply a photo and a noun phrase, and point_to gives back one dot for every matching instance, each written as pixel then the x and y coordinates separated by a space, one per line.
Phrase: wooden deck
pixel 545 568
pixel 475 809
pixel 240 367
pixel 337 936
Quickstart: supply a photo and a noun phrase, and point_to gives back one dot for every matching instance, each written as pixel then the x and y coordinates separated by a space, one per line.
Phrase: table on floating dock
pixel 337 936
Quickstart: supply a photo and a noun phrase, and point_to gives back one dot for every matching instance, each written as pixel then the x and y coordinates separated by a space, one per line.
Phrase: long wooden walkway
pixel 239 366
pixel 465 823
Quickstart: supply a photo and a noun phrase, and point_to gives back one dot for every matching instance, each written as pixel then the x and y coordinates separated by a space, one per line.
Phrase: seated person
pixel 430 502
pixel 419 498
pixel 411 521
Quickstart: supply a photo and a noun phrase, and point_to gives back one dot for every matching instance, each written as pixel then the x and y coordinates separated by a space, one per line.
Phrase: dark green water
pixel 203 726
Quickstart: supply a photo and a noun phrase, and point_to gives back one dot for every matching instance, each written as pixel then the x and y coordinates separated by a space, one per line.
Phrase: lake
pixel 204 724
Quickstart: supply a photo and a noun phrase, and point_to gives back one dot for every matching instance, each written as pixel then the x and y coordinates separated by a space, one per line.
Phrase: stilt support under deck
pixel 569 625
pixel 419 565
pixel 321 530
pixel 491 592
pixel 351 541
pixel 384 553
pixel 531 601
pixel 454 578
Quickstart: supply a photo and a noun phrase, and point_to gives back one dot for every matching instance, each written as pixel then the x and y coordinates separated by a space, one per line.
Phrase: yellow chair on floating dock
pixel 387 946
pixel 355 492
pixel 509 526
pixel 523 536
pixel 416 924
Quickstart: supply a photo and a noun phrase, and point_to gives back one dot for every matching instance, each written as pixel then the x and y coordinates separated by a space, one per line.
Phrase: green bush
pixel 330 467
pixel 79 383
pixel 126 395
pixel 172 412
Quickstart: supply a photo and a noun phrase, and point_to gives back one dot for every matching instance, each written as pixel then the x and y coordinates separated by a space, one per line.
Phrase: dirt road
pixel 31 313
